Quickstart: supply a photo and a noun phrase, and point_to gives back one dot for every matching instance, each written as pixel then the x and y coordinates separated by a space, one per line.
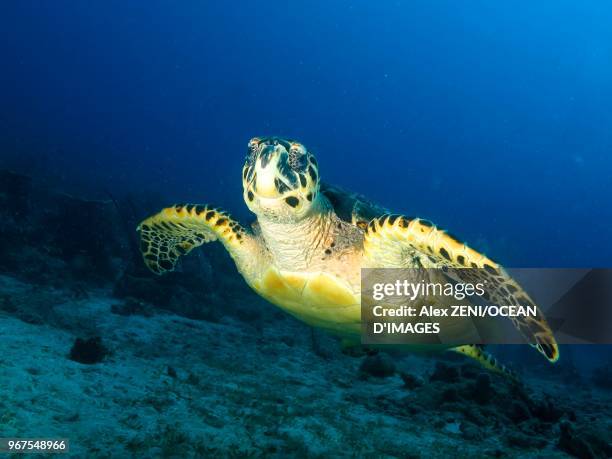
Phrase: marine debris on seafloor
pixel 193 364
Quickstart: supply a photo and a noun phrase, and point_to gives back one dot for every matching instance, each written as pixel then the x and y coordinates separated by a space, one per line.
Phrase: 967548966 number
pixel 34 445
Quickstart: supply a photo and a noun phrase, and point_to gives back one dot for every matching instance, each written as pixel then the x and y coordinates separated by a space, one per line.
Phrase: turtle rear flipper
pixel 177 230
pixel 485 359
pixel 395 241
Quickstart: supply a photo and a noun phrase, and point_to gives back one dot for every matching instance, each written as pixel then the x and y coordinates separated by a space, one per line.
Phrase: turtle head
pixel 280 178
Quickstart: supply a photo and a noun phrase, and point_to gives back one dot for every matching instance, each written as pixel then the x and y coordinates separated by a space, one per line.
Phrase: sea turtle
pixel 306 249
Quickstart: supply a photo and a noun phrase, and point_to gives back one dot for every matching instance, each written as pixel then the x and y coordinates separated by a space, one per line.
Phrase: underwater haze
pixel 491 119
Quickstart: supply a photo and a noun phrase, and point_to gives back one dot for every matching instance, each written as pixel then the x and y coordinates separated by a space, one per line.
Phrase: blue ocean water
pixel 492 119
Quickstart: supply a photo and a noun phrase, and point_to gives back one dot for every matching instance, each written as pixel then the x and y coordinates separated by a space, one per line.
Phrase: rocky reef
pixel 602 376
pixel 127 364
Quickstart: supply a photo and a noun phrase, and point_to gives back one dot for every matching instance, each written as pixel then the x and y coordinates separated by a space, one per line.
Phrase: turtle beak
pixel 266 172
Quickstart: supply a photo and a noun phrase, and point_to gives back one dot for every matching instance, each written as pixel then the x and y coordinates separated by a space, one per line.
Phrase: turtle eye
pixel 297 158
pixel 252 151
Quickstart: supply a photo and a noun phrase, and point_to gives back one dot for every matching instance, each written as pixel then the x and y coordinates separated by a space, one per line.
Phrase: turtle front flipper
pixel 177 230
pixel 395 241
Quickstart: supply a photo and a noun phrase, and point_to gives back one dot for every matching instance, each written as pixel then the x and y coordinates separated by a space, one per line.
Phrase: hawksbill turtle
pixel 305 251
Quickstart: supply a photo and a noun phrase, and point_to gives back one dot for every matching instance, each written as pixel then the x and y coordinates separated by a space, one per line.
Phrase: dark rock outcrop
pixel 602 376
pixel 88 351
pixel 380 365
pixel 445 373
pixel 585 442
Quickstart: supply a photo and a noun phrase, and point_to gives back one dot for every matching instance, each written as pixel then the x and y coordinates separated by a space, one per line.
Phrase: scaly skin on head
pixel 280 179
pixel 281 186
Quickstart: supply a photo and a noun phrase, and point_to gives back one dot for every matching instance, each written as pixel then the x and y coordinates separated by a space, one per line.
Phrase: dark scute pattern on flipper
pixel 176 231
pixel 451 253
